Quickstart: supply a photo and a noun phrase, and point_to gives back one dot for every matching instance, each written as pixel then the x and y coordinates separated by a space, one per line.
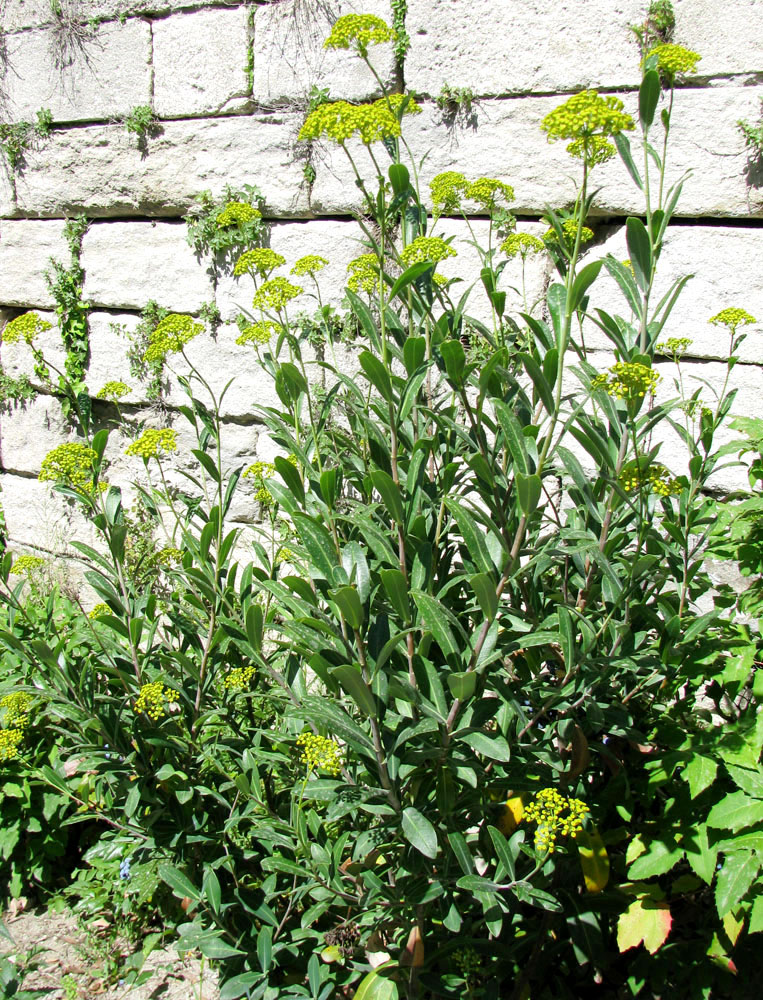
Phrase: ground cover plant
pixel 449 723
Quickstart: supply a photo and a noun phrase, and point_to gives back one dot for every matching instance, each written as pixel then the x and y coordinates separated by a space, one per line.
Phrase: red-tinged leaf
pixel 646 921
pixel 594 859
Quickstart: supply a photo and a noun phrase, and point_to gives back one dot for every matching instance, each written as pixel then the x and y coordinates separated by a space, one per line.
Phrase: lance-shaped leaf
pixel 419 832
pixel 594 859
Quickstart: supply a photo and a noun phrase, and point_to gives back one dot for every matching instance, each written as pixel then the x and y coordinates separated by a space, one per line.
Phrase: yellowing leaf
pixel 646 920
pixel 733 926
pixel 510 816
pixel 594 859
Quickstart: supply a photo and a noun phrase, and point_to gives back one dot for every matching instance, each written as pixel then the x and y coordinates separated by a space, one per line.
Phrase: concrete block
pixel 26 247
pixel 200 62
pixel 7 190
pixel 499 47
pixel 727 36
pixel 100 76
pixel 18 14
pixel 128 263
pixel 36 515
pixel 29 432
pixel 188 157
pixel 289 57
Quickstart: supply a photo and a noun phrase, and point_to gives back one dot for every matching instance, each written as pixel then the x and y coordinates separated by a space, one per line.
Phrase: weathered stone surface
pixel 26 247
pixel 16 14
pixel 200 62
pixel 29 432
pixel 102 76
pixel 727 35
pixel 725 263
pixel 128 263
pixel 521 46
pixel 7 193
pixel 36 515
pixel 507 143
pixel 289 57
pixel 17 358
pixel 186 158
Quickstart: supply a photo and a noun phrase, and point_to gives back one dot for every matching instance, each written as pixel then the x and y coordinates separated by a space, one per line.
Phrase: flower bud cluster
pixel 656 478
pixel 363 29
pixel 556 816
pixel 113 391
pixel 677 346
pixel 153 442
pixel 171 334
pixel 674 59
pixel 238 678
pixel 732 318
pixel 70 464
pixel 9 743
pixel 25 565
pixel 588 120
pixel 257 333
pixel 17 706
pixel 372 122
pixel 310 264
pixel 569 230
pixel 364 273
pixel 237 213
pixel 98 611
pixel 627 380
pixel 487 191
pixel 427 248
pixel 447 190
pixel 152 699
pixel 522 244
pixel 24 327
pixel 320 753
pixel 262 260
pixel 275 294
pixel 259 472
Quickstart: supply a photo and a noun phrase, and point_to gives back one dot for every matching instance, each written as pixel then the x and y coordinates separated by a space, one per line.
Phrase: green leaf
pixel 513 436
pixel 735 811
pixel 462 684
pixel 375 987
pixel 389 491
pixel 291 477
pixel 502 850
pixel 461 850
pixel 557 306
pixel 353 684
pixel 208 464
pixel 756 916
pixel 474 538
pixel 265 947
pixel 413 273
pixel 494 747
pixel 454 357
pixel 399 178
pixel 484 588
pixel 700 772
pixel 414 352
pixel 318 543
pixel 749 781
pixel 178 882
pixel 659 858
pixel 739 871
pixel 348 601
pixel 539 380
pixel 640 251
pixel 594 859
pixel 624 149
pixel 700 855
pixel 436 621
pixel 254 623
pixel 529 489
pixel 396 590
pixel 585 278
pixel 376 374
pixel 419 832
pixel 648 96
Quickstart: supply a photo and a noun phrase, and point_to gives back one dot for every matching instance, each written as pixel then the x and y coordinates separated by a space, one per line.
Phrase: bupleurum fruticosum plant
pixel 430 727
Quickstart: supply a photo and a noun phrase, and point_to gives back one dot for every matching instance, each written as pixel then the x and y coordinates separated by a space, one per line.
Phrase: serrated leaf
pixel 739 871
pixel 735 811
pixel 646 921
pixel 700 772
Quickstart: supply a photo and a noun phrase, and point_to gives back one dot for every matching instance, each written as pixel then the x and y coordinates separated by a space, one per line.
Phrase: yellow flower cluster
pixel 24 327
pixel 674 59
pixel 25 565
pixel 9 743
pixel 429 248
pixel 168 555
pixel 320 753
pixel 275 294
pixel 151 700
pixel 439 279
pixel 655 478
pixel 99 610
pixel 588 120
pixel 569 229
pixel 732 318
pixel 71 464
pixel 171 334
pixel 486 191
pixel 263 260
pixel 365 29
pixel 364 273
pixel 236 213
pixel 238 678
pixel 17 705
pixel 153 442
pixel 257 333
pixel 556 816
pixel 627 380
pixel 372 122
pixel 447 190
pixel 114 391
pixel 675 346
pixel 523 244
pixel 310 264
pixel 259 472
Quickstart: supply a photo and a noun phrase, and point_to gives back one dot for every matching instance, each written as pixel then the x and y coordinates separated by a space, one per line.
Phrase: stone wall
pixel 229 81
